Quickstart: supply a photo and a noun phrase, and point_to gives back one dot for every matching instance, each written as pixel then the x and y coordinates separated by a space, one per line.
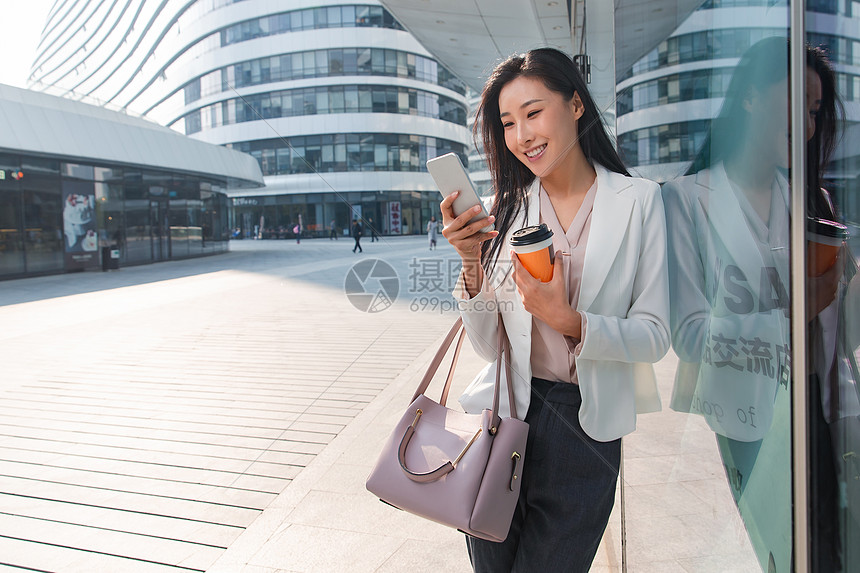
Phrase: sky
pixel 22 28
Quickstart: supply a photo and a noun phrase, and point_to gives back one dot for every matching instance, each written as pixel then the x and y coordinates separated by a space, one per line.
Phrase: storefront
pixel 129 186
pixel 389 212
pixel 57 216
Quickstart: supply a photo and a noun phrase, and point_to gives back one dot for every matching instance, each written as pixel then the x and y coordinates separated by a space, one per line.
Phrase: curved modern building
pixel 665 102
pixel 338 103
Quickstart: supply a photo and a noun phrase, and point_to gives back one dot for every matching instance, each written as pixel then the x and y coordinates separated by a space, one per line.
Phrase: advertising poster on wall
pixel 394 218
pixel 80 237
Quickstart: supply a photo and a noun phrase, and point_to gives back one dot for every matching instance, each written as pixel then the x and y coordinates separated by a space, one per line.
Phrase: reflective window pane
pixel 706 114
pixel 833 287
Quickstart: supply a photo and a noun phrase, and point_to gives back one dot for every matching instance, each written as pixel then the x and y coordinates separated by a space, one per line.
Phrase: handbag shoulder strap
pixel 503 348
pixel 437 360
pixel 503 352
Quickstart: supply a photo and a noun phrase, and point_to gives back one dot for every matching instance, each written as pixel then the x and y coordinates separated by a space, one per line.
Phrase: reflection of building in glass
pixel 74 177
pixel 339 104
pixel 666 101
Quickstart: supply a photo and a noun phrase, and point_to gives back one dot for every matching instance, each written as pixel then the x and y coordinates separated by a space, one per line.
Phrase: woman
pixel 729 276
pixel 432 229
pixel 581 344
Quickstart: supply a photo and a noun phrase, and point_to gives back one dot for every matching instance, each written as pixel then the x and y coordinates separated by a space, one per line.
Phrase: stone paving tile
pixel 274 469
pixel 300 548
pixel 45 557
pixel 105 541
pixel 418 555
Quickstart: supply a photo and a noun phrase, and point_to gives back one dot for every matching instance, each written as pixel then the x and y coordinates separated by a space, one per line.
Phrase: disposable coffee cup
pixel 533 246
pixel 824 238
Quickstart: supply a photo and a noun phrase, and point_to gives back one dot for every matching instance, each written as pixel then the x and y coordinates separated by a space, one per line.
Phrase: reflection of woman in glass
pixel 728 222
pixel 834 404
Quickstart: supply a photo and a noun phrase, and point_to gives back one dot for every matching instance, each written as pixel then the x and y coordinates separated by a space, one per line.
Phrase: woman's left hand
pixel 548 301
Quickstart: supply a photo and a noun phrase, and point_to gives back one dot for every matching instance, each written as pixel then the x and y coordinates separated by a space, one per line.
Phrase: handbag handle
pixel 432 475
pixel 503 348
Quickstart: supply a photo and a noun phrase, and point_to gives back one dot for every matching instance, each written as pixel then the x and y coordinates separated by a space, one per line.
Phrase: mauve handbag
pixel 461 470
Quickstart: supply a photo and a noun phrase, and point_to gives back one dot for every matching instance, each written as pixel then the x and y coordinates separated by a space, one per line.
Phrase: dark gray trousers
pixel 567 493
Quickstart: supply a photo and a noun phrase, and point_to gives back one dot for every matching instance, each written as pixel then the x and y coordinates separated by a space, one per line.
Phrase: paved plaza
pixel 221 414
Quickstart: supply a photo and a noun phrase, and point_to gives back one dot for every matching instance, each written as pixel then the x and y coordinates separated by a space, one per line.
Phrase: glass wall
pixel 274 217
pixel 55 216
pixel 349 16
pixel 707 113
pixel 330 153
pixel 326 100
pixel 721 480
pixel 310 19
pixel 43 214
pixel 319 64
pixel 11 218
pixel 833 285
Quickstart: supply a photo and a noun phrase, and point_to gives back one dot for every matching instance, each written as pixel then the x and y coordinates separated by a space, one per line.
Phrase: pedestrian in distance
pixel 356 234
pixel 333 233
pixel 582 344
pixel 298 232
pixel 373 235
pixel 432 230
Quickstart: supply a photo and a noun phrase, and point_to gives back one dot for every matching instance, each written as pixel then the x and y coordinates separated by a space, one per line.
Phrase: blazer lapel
pixel 609 221
pixel 729 224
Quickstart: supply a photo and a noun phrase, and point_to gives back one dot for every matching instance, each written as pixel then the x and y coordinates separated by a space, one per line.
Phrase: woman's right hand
pixel 465 238
pixel 821 290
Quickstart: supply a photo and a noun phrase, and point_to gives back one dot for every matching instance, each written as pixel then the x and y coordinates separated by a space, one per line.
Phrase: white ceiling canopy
pixel 42 124
pixel 470 36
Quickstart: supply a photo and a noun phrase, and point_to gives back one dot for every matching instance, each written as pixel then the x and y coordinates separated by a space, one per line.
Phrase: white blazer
pixel 624 295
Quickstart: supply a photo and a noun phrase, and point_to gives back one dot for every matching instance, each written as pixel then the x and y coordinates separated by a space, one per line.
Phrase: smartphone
pixel 450 175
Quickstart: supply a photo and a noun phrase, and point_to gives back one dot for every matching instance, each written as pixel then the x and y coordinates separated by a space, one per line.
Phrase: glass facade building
pixel 339 105
pixel 148 215
pixel 81 186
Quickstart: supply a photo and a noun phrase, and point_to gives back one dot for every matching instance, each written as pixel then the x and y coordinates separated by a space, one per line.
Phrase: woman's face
pixel 540 126
pixel 813 101
pixel 769 133
pixel 770 118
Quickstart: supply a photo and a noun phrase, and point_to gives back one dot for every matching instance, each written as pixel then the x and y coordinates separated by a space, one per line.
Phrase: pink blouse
pixel 553 354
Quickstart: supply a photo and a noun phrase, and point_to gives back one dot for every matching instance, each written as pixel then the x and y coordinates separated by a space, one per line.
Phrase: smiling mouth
pixel 535 152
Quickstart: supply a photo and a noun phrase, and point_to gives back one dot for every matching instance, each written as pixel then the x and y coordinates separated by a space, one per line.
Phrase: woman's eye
pixel 533 113
pixel 507 124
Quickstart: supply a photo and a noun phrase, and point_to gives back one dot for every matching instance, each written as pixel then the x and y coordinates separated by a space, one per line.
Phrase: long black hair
pixel 511 178
pixel 820 148
pixel 763 65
